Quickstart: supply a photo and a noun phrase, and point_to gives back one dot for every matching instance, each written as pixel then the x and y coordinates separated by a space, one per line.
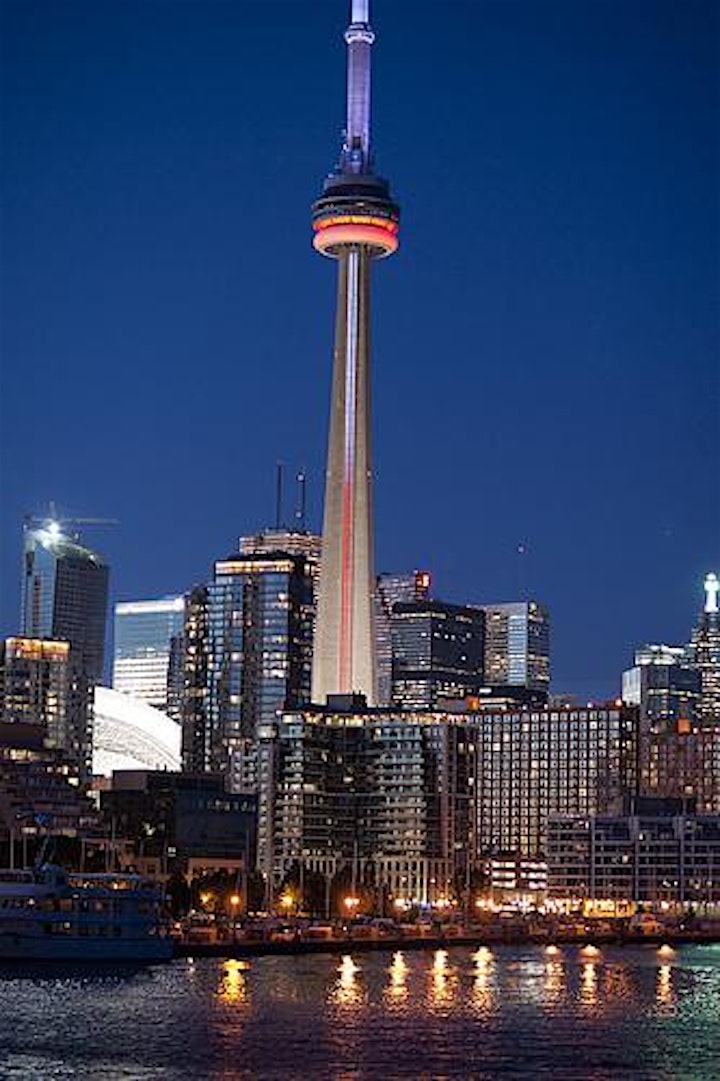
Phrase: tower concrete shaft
pixel 344 652
pixel 354 221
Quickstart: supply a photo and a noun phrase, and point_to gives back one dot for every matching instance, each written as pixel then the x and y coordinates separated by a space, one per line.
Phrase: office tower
pixel 517 645
pixel 664 685
pixel 143 634
pixel 65 590
pixel 64 598
pixel 354 221
pixel 437 653
pixel 381 797
pixel 248 651
pixel 705 654
pixel 391 589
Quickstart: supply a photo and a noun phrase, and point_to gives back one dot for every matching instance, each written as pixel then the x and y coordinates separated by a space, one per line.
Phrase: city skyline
pixel 566 226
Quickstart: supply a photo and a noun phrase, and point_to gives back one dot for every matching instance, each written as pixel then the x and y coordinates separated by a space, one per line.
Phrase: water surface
pixel 502 1013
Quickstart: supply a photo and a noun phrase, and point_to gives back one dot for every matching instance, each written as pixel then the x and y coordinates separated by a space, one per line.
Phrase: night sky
pixel 546 341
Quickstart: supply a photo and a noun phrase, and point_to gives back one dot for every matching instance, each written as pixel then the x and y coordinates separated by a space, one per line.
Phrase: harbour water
pixel 637 1012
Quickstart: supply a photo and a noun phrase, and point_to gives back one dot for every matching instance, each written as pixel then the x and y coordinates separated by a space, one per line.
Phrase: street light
pixel 351 904
pixel 287 900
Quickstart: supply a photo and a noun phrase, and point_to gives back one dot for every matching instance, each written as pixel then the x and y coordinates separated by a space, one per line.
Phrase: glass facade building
pixel 705 655
pixel 664 685
pixel 143 636
pixel 64 598
pixel 392 589
pixel 64 595
pixel 517 645
pixel 251 652
pixel 437 653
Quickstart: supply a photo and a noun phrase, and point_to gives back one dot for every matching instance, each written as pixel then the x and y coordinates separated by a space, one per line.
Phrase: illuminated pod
pixel 354 221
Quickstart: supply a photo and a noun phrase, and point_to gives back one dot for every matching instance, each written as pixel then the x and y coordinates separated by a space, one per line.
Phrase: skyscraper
pixel 705 653
pixel 664 685
pixel 354 221
pixel 143 633
pixel 517 645
pixel 437 653
pixel 392 589
pixel 65 591
pixel 248 651
pixel 64 598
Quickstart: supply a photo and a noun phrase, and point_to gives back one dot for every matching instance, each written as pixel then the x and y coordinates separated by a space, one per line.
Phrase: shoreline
pixel 240 950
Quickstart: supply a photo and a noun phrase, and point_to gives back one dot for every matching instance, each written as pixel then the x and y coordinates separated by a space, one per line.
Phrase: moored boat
pixel 50 914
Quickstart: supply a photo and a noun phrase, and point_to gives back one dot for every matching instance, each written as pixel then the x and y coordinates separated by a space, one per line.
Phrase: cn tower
pixel 354 221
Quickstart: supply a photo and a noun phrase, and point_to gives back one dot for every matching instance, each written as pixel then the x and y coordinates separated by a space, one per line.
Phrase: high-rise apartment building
pixel 248 651
pixel 437 653
pixel 392 589
pixel 202 748
pixel 64 598
pixel 385 795
pixel 36 689
pixel 415 801
pixel 705 654
pixel 143 634
pixel 534 763
pixel 517 645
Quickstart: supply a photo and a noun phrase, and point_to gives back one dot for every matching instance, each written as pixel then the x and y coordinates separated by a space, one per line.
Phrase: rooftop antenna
pixel 300 510
pixel 278 494
pixel 521 550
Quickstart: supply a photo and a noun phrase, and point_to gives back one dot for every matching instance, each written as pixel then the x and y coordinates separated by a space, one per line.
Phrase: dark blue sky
pixel 545 343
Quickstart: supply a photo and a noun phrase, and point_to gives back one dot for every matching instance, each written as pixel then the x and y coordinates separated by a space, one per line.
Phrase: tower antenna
pixel 278 494
pixel 300 510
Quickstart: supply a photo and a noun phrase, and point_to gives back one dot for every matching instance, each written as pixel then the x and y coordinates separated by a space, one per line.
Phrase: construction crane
pixel 54 522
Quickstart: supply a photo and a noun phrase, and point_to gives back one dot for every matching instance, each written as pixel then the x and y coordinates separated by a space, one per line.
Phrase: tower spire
pixel 356 153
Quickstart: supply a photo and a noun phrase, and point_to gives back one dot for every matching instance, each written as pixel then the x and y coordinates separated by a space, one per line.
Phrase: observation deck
pixel 355 209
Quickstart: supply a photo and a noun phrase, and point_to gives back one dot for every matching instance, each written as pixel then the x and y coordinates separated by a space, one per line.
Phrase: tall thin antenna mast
pixel 300 511
pixel 278 494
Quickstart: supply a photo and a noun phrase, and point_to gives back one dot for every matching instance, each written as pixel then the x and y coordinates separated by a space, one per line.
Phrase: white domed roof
pixel 130 734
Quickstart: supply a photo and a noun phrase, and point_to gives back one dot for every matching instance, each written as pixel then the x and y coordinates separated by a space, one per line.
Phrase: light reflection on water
pixel 563 1013
pixel 396 992
pixel 483 989
pixel 348 991
pixel 233 985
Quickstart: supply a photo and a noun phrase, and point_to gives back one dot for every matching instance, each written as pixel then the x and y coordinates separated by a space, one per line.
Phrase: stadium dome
pixel 130 734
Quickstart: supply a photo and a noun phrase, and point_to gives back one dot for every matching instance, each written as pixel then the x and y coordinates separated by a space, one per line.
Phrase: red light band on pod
pixel 328 236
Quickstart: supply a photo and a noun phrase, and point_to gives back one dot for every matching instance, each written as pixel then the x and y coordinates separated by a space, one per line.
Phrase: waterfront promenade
pixel 343 941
